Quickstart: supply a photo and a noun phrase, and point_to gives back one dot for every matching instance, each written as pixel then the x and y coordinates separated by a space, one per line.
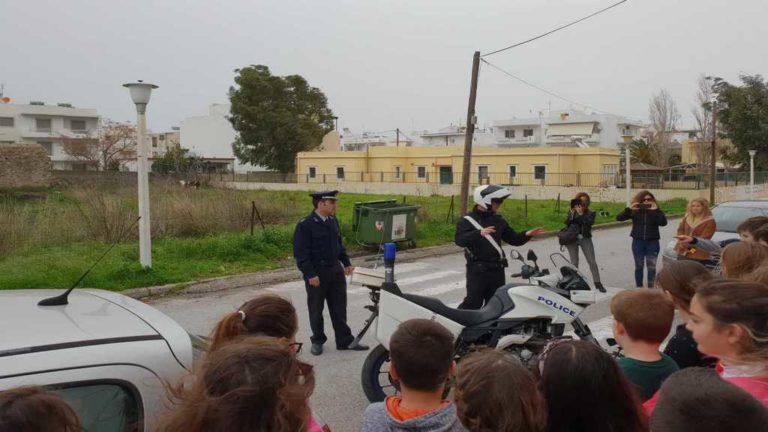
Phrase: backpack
pixel 568 235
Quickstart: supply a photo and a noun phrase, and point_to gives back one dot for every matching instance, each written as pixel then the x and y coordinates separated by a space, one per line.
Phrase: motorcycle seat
pixel 466 317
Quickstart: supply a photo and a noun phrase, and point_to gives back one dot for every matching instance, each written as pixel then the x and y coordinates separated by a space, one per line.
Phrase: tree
pixel 177 160
pixel 702 114
pixel 276 117
pixel 641 152
pixel 112 141
pixel 664 118
pixel 742 114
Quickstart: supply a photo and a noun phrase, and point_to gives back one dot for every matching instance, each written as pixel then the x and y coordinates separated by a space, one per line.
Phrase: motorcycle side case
pixel 394 310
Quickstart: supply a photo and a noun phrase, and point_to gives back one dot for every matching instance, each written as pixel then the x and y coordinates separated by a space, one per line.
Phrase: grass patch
pixel 197 233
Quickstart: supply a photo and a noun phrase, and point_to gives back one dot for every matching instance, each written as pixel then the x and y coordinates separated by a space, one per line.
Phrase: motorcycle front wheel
pixel 377 384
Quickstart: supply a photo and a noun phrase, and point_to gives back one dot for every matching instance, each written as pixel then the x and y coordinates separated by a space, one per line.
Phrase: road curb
pixel 281 275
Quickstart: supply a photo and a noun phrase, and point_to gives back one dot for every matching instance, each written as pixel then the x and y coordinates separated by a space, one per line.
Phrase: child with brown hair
pixel 253 384
pixel 741 258
pixel 729 320
pixel 422 359
pixel 642 320
pixel 679 281
pixel 34 409
pixel 265 315
pixel 495 392
pixel 698 400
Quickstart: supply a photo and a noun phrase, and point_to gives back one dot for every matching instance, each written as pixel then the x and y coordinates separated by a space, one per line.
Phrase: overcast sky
pixel 382 63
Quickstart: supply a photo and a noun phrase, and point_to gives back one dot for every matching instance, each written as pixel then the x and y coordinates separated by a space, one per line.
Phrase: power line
pixel 555 30
pixel 543 89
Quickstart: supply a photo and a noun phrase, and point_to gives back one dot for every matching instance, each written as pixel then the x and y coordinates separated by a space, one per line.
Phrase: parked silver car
pixel 728 216
pixel 105 353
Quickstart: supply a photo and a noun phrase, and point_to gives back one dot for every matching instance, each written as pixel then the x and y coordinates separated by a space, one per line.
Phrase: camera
pixel 575 202
pixel 643 206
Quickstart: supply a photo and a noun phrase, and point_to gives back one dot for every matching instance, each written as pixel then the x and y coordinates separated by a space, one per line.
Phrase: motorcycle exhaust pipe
pixel 390 251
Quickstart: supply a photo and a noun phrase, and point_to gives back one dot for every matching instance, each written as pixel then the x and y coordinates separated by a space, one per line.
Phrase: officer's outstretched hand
pixel 348 270
pixel 536 231
pixel 315 281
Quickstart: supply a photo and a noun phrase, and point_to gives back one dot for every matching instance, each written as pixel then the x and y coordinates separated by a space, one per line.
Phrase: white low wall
pixel 541 192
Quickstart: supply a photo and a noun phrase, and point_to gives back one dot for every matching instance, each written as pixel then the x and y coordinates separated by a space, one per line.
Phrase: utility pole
pixel 469 133
pixel 397 140
pixel 628 170
pixel 713 166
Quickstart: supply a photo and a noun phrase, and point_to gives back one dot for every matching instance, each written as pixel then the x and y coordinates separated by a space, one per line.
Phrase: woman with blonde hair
pixel 697 222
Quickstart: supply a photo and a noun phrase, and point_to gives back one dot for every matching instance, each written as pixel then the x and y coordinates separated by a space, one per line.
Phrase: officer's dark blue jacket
pixel 317 244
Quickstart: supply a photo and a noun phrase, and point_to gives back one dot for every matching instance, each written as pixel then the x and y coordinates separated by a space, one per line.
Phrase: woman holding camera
pixel 646 218
pixel 581 216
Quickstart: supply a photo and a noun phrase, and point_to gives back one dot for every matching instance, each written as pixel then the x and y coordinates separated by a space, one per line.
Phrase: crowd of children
pixel 711 376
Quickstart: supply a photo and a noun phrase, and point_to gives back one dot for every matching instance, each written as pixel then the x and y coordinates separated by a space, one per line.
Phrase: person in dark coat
pixel 323 261
pixel 581 216
pixel 486 263
pixel 646 217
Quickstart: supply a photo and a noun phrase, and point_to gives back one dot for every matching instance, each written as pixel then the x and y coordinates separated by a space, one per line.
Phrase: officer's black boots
pixel 317 349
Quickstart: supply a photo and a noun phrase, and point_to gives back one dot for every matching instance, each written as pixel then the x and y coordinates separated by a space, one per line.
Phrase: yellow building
pixel 529 166
pixel 696 151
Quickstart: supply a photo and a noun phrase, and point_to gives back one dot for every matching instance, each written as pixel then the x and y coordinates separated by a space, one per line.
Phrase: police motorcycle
pixel 520 318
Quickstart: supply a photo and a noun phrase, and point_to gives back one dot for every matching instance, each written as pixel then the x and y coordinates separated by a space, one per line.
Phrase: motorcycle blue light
pixel 390 250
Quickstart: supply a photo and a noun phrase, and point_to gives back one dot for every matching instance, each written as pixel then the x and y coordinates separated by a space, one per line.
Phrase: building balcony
pixel 516 141
pixel 36 132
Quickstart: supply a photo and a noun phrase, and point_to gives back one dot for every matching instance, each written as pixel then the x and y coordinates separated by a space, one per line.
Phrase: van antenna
pixel 63 299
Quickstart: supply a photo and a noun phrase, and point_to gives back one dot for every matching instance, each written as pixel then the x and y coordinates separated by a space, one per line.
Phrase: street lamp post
pixel 752 154
pixel 140 94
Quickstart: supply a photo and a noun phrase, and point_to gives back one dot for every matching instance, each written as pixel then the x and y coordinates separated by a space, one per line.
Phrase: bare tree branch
pixel 703 116
pixel 114 141
pixel 664 118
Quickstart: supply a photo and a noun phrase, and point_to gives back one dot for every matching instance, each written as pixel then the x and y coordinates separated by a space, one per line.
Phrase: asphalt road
pixel 338 396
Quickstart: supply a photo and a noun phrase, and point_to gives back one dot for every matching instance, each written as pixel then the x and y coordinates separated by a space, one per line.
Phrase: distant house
pixel 210 137
pixel 38 123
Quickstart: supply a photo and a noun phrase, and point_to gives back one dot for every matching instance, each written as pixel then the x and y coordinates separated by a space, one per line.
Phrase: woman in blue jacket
pixel 646 218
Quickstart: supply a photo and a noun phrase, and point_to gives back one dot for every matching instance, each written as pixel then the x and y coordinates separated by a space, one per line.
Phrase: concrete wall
pixel 543 193
pixel 24 165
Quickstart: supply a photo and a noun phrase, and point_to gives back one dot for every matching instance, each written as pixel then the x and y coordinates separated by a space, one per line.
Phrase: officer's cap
pixel 326 195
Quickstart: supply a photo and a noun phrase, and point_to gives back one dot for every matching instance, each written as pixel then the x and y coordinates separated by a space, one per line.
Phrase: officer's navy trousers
pixel 332 289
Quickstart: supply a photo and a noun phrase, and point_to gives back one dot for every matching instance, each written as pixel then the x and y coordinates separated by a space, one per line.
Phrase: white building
pixel 38 123
pixel 358 142
pixel 211 136
pixel 567 129
pixel 455 136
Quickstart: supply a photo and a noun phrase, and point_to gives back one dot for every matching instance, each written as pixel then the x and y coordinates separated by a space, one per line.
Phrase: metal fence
pixel 666 180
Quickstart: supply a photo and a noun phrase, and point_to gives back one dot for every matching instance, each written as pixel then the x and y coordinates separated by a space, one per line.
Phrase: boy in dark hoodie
pixel 421 354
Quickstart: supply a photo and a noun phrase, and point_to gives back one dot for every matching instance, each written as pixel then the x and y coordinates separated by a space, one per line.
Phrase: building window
pixel 482 173
pixel 540 172
pixel 527 132
pixel 312 172
pixel 512 169
pixel 421 172
pixel 340 173
pixel 77 125
pixel 397 172
pixel 43 125
pixel 6 121
pixel 510 133
pixel 161 137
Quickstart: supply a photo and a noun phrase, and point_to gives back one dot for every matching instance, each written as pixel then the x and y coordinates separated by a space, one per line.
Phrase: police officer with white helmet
pixel 480 233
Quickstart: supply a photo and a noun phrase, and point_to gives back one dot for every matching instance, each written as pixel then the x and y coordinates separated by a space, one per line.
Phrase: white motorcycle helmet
pixel 484 195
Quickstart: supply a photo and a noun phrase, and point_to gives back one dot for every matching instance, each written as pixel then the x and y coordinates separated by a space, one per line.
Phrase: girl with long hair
pixel 697 222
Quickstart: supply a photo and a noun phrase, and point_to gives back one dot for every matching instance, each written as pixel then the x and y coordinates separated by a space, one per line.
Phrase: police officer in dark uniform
pixel 322 259
pixel 486 260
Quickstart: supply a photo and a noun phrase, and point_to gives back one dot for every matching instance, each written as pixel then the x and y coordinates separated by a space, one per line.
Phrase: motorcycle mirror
pixel 515 255
pixel 532 256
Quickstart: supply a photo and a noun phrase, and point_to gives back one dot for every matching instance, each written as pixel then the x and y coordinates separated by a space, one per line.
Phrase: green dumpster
pixel 378 222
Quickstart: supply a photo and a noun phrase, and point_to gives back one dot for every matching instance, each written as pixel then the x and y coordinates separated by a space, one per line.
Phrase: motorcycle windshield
pixel 559 261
